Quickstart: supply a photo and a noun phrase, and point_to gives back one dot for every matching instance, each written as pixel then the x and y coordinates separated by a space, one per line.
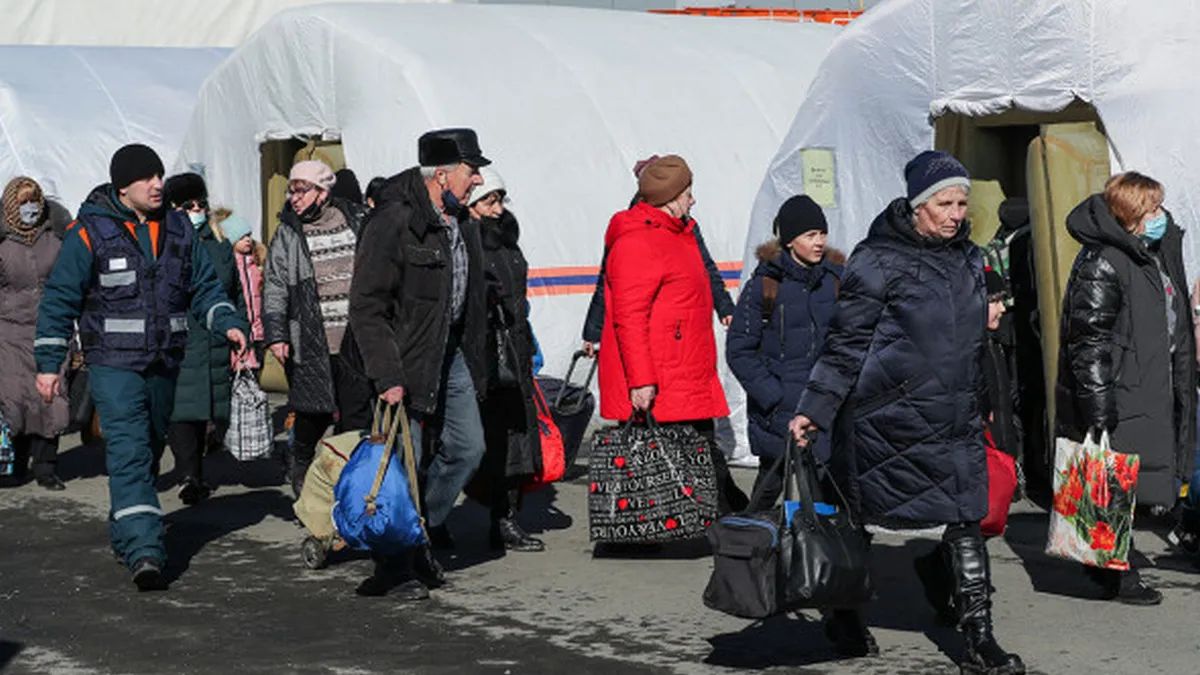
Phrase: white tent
pixel 64 110
pixel 908 61
pixel 564 100
pixel 142 23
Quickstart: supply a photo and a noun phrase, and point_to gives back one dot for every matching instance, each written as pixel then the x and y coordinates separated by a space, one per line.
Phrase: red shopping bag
pixel 554 463
pixel 1002 483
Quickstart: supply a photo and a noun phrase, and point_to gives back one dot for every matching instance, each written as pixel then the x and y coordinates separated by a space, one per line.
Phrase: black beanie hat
pixel 132 163
pixel 184 187
pixel 798 215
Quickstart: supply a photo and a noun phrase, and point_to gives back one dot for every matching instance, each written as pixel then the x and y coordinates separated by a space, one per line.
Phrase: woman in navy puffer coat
pixel 779 326
pixel 900 374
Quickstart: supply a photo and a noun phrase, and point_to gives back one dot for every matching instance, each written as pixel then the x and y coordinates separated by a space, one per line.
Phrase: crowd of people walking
pixel 887 364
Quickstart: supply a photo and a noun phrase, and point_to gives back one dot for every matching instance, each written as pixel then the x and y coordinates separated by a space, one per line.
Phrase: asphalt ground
pixel 241 601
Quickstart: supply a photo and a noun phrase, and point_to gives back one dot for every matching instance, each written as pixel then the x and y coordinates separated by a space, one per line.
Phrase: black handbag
pixel 79 400
pixel 764 565
pixel 502 366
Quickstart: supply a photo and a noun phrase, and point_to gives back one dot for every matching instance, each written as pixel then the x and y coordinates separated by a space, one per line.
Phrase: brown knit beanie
pixel 664 179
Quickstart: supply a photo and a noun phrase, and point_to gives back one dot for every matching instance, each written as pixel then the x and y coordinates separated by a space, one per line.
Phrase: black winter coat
pixel 900 373
pixel 1116 364
pixel 509 414
pixel 593 324
pixel 771 356
pixel 399 300
pixel 202 391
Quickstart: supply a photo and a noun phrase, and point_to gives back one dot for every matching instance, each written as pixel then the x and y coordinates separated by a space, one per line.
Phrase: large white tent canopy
pixel 565 101
pixel 64 110
pixel 142 23
pixel 909 60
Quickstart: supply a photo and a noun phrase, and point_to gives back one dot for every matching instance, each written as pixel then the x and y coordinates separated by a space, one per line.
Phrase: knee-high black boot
pixel 973 602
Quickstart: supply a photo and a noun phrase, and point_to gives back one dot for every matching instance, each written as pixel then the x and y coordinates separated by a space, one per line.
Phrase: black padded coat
pixel 900 374
pixel 1118 367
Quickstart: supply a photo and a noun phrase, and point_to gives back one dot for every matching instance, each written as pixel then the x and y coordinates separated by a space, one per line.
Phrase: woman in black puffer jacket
pixel 898 384
pixel 1127 360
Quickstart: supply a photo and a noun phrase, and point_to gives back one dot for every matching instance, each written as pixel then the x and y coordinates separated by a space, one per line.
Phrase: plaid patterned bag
pixel 250 435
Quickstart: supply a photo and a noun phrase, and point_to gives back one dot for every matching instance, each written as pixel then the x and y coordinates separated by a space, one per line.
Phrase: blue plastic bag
pixel 384 519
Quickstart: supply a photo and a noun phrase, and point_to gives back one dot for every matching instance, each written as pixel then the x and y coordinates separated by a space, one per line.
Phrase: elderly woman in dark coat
pixel 28 248
pixel 510 422
pixel 900 374
pixel 202 391
pixel 1127 363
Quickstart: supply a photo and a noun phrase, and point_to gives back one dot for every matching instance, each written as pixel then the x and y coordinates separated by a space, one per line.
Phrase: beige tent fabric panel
pixel 1065 164
pixel 984 210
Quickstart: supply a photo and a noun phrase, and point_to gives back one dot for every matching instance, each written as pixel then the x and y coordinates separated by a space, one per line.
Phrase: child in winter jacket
pixel 249 255
pixel 778 329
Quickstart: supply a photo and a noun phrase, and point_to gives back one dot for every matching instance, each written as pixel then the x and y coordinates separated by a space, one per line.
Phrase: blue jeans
pixel 462 444
pixel 134 411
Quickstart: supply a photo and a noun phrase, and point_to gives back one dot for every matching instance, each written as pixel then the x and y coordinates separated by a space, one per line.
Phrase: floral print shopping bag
pixel 1094 496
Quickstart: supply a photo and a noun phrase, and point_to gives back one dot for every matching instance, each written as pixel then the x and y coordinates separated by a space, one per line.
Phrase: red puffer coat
pixel 658 320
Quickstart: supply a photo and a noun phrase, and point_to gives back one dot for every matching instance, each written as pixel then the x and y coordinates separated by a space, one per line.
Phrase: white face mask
pixel 29 212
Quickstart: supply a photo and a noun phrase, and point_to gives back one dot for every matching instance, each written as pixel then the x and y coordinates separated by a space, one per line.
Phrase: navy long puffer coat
pixel 899 378
pixel 772 358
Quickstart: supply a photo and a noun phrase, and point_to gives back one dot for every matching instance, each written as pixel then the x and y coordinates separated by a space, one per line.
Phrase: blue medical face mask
pixel 1155 228
pixel 198 219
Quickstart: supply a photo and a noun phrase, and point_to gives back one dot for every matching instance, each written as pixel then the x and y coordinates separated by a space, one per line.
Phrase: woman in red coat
pixel 659 351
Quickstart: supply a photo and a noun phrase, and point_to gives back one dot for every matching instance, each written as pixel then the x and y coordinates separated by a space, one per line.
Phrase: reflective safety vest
pixel 135 311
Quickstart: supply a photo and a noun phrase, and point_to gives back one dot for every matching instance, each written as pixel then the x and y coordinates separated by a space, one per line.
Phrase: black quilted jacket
pixel 898 381
pixel 1118 367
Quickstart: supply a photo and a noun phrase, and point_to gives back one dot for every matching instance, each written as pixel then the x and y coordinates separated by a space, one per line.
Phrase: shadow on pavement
pixel 82 461
pixel 189 530
pixel 8 652
pixel 787 641
pixel 1026 536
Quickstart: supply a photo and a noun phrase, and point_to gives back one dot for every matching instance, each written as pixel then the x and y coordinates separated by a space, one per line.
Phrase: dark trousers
pixel 730 497
pixel 42 452
pixel 188 441
pixel 307 431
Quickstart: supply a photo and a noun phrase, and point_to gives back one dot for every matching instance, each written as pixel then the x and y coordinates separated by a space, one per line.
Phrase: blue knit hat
pixel 931 172
pixel 235 227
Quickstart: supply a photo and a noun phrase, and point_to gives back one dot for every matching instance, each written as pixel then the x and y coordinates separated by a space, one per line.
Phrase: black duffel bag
pixel 765 565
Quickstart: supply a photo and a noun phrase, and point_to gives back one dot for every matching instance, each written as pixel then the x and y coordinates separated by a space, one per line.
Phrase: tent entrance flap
pixel 276 160
pixel 1054 161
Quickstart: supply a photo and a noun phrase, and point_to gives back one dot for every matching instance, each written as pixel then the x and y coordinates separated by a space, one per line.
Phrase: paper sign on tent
pixel 819 176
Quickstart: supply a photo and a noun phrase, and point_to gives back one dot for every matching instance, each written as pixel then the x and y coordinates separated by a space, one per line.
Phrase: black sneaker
pixel 51 482
pixel 147 575
pixel 1184 540
pixel 193 492
pixel 1133 591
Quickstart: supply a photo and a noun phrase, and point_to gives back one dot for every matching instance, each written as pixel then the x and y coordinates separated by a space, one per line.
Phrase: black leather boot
pixel 933 569
pixel 849 635
pixel 973 602
pixel 507 535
